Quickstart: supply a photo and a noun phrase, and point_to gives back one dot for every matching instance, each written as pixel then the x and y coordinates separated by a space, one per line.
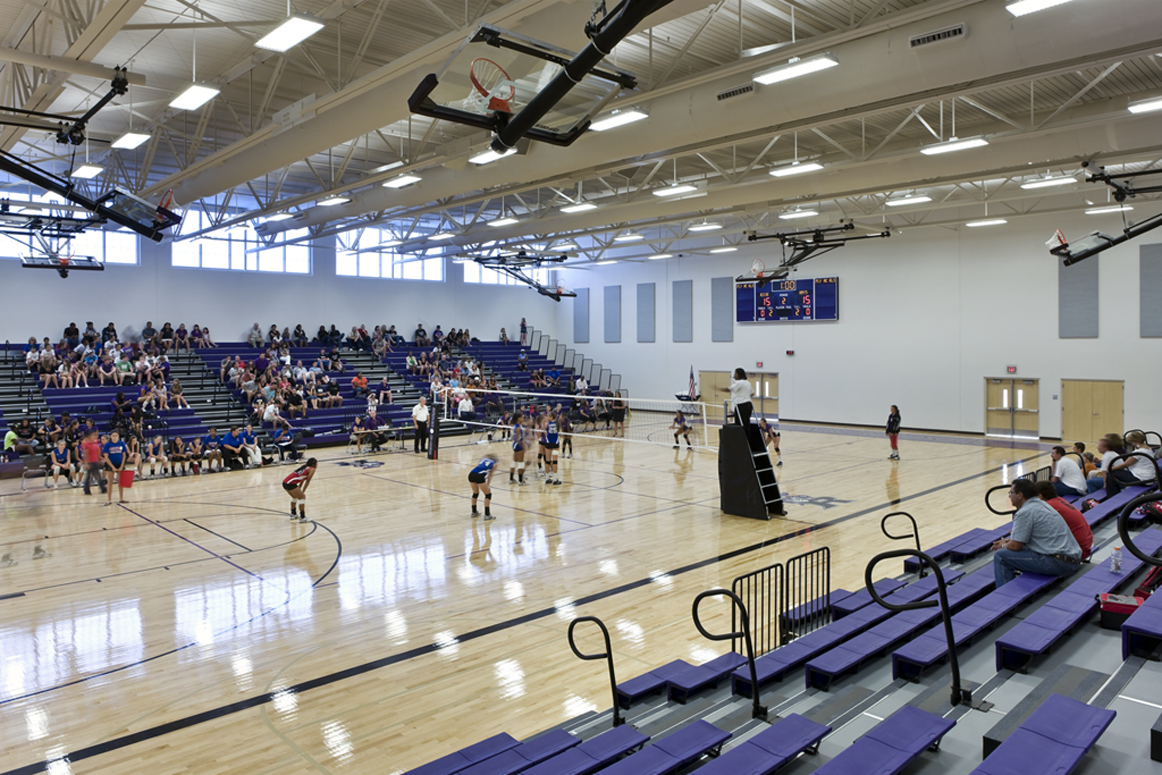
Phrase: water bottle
pixel 1116 560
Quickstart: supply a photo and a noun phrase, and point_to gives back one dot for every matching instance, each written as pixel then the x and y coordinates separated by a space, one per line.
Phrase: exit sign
pixel 758 364
pixel 1011 369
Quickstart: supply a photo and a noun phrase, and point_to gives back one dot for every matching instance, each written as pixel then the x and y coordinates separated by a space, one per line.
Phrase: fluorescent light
pixel 795 68
pixel 674 190
pixel 1146 106
pixel 909 200
pixel 661 255
pixel 796 169
pixel 579 208
pixel 990 222
pixel 490 156
pixel 401 181
pixel 706 227
pixel 194 97
pixel 606 262
pixel 627 237
pixel 290 33
pixel 442 235
pixel 1060 180
pixel 1112 209
pixel 280 217
pixel 954 145
pixel 798 214
pixel 1022 7
pixel 724 250
pixel 130 140
pixel 566 246
pixel 618 118
pixel 461 260
pixel 508 221
pixel 88 171
pixel 335 200
pixel 386 167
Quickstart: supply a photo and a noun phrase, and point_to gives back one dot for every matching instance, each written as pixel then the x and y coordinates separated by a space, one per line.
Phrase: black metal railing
pixel 914 534
pixel 1124 527
pixel 806 594
pixel 606 655
pixel 758 710
pixel 988 504
pixel 760 594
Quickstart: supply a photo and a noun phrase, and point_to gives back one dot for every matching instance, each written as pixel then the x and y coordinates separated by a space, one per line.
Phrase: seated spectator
pixel 1067 477
pixel 522 361
pixel 197 337
pixel 503 337
pixel 378 431
pixel 299 337
pixel 554 377
pixel 72 335
pixel 109 333
pixel 333 396
pixel 231 447
pixel 149 333
pixel 274 336
pixel 582 384
pixel 14 446
pixel 255 337
pixel 321 337
pixel 1090 465
pixel 175 393
pixel 334 336
pixel 1137 469
pixel 383 391
pixel 1074 518
pixel 271 415
pixel 181 338
pixel 165 337
pixel 466 410
pixel 359 384
pixel 1040 542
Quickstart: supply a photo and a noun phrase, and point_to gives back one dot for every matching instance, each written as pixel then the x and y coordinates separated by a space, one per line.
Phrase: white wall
pixel 924 317
pixel 39 303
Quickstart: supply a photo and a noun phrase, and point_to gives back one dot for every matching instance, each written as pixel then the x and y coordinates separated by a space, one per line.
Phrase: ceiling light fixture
pixel 660 256
pixel 442 235
pixel 955 144
pixel 391 243
pixel 88 171
pixel 724 250
pixel 130 140
pixel 706 226
pixel 401 181
pixel 386 167
pixel 631 237
pixel 290 33
pixel 796 169
pixel 280 217
pixel 580 207
pixel 333 201
pixel 194 97
pixel 1022 7
pixel 798 214
pixel 1060 180
pixel 618 118
pixel 1146 106
pixel 606 262
pixel 490 156
pixel 795 68
pixel 989 222
pixel 908 200
pixel 1111 209
pixel 566 246
pixel 506 221
pixel 674 190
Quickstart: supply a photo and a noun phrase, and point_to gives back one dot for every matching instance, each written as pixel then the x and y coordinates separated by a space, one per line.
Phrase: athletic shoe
pixel 294 515
pixel 303 518
pixel 47 483
pixel 522 483
pixel 676 446
pixel 779 463
pixel 474 514
pixel 488 517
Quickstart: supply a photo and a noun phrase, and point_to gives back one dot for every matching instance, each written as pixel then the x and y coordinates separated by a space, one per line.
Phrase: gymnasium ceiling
pixel 1047 90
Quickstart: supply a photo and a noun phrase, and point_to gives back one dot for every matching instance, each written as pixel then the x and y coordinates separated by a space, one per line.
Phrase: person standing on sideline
pixel 420 423
pixel 893 431
pixel 1040 542
pixel 740 395
pixel 116 454
pixel 91 450
pixel 295 484
pixel 481 479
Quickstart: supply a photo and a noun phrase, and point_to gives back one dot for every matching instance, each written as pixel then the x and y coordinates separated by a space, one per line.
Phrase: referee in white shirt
pixel 420 422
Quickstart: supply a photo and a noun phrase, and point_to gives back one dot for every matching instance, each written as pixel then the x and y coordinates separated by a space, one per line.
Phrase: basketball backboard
pixel 495 73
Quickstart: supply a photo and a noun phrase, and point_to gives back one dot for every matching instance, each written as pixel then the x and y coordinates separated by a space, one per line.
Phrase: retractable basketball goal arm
pixel 809 243
pixel 603 36
pixel 1123 189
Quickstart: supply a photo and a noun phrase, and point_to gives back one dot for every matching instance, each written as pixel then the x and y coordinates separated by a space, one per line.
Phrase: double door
pixel 1090 409
pixel 1011 407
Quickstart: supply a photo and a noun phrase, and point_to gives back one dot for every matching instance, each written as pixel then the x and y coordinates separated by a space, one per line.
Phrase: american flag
pixel 691 392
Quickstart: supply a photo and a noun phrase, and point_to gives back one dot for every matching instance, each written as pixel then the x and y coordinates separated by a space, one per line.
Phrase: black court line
pixel 9 597
pixel 211 532
pixel 356 670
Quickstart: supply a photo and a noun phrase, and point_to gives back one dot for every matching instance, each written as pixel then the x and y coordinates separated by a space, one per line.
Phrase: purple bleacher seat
pixel 978 543
pixel 466 757
pixel 770 749
pixel 819 606
pixel 862 597
pixel 593 754
pixel 673 752
pixel 695 678
pixel 525 755
pixel 629 692
pixel 1053 740
pixel 1142 631
pixel 889 746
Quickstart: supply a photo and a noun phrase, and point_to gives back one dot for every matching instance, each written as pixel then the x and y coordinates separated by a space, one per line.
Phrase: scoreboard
pixel 773 301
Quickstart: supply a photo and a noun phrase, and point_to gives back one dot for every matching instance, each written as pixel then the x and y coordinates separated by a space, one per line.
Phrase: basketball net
pixel 492 89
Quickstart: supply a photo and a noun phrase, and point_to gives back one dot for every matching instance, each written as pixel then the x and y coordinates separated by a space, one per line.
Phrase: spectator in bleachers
pixel 503 337
pixel 465 410
pixel 383 391
pixel 165 338
pixel 1040 542
pixel 1107 447
pixel 149 334
pixel 356 340
pixel 1067 478
pixel 524 332
pixel 420 336
pixel 1137 469
pixel 1090 465
pixel 1080 529
pixel 299 337
pixel 554 377
pixel 181 338
pixel 334 336
pixel 255 338
pixel 175 392
pixel 109 333
pixel 107 371
pixel 359 385
pixel 522 361
pixel 72 335
pixel 295 402
pixel 334 398
pixel 274 336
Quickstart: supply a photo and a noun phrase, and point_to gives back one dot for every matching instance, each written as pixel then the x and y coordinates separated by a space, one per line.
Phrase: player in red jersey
pixel 296 483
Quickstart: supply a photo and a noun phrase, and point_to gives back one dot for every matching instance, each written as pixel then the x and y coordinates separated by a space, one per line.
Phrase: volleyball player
pixel 178 456
pixel 481 480
pixel 550 442
pixel 296 483
pixel 62 460
pixel 154 453
pixel 771 436
pixel 565 425
pixel 540 425
pixel 518 451
pixel 681 427
pixel 116 454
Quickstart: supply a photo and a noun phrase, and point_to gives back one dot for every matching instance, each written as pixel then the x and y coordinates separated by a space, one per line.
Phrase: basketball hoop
pixel 561 287
pixel 758 267
pixel 492 89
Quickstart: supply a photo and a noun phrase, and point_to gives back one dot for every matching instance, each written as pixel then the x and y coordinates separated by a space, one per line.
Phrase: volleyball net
pixel 637 420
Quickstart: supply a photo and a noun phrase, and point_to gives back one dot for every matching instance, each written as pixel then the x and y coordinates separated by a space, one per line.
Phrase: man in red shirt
pixel 1074 518
pixel 91 452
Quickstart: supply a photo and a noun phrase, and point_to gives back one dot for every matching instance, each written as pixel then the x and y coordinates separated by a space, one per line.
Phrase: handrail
pixel 960 695
pixel 1148 434
pixel 989 506
pixel 1137 453
pixel 914 534
pixel 758 711
pixel 1124 527
pixel 607 655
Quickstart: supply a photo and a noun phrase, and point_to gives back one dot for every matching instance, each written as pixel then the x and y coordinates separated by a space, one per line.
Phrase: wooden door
pixel 1090 409
pixel 766 397
pixel 998 407
pixel 1026 408
pixel 714 387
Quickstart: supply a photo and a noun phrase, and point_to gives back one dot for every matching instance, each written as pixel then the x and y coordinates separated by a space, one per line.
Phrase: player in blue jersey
pixel 519 442
pixel 681 427
pixel 481 480
pixel 116 456
pixel 62 460
pixel 550 440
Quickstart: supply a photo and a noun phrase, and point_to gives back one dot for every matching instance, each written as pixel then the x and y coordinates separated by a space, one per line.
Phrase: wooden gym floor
pixel 196 629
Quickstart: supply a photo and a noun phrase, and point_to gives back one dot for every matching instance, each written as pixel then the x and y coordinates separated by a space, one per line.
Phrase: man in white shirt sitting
pixel 1067 477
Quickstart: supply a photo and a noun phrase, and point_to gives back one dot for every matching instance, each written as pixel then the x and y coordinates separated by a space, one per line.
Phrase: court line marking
pixel 211 532
pixel 214 714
